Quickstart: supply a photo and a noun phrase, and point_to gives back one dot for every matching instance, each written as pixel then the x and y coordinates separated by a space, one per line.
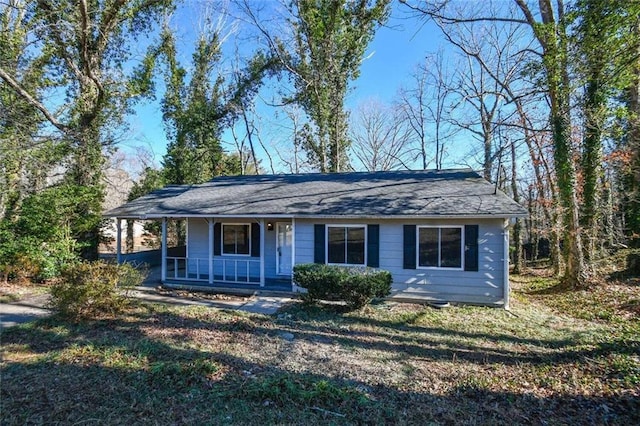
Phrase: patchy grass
pixel 557 358
pixel 14 292
pixel 9 297
pixel 609 301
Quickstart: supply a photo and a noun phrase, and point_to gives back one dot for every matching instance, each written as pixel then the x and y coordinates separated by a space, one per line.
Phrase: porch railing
pixel 227 270
pixel 187 268
pixel 236 271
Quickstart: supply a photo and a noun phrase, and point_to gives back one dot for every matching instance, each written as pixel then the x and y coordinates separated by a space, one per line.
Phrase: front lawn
pixel 556 358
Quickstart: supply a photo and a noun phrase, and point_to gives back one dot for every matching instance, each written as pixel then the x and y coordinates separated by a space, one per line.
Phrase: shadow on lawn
pixel 121 375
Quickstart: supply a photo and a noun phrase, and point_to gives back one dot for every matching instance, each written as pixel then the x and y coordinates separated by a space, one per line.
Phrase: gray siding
pixel 484 286
pixel 198 246
pixel 197 238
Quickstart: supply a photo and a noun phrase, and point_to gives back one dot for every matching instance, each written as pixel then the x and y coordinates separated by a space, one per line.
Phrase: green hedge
pixel 354 285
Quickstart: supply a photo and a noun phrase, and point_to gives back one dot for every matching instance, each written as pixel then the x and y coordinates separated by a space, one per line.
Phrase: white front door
pixel 284 251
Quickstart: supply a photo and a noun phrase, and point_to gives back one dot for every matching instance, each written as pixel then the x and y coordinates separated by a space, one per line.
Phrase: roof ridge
pixel 351 173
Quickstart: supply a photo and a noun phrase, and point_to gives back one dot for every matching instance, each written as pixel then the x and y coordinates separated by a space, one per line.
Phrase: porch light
pixel 269 226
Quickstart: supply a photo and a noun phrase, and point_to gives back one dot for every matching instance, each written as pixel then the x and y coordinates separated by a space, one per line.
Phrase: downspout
pixel 505 263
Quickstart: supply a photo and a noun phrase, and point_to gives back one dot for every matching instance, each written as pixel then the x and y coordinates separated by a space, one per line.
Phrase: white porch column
pixel 210 221
pixel 164 250
pixel 118 240
pixel 294 287
pixel 262 225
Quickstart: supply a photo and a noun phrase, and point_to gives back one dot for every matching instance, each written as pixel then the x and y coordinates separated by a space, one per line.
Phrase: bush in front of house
pixel 91 289
pixel 356 286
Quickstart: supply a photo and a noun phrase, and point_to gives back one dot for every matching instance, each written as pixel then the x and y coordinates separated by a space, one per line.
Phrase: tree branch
pixel 31 100
pixel 435 14
pixel 60 43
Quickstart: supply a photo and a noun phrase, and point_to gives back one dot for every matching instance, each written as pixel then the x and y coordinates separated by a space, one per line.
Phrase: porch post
pixel 294 287
pixel 210 221
pixel 262 252
pixel 118 240
pixel 164 250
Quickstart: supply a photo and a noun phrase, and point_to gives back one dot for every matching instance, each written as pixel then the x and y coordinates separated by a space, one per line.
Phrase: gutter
pixel 292 216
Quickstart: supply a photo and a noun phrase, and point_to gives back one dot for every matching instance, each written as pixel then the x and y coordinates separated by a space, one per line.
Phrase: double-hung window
pixel 346 244
pixel 236 239
pixel 440 247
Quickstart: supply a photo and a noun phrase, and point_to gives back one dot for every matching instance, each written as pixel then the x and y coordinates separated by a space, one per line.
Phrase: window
pixel 440 247
pixel 346 244
pixel 235 239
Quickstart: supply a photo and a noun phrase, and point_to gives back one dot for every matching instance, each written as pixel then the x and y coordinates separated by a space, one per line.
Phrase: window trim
pixel 326 244
pixel 439 227
pixel 222 253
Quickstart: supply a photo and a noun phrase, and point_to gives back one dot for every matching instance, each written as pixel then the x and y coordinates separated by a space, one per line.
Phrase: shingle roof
pixel 401 194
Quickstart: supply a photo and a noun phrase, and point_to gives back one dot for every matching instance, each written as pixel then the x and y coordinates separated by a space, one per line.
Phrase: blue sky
pixel 393 55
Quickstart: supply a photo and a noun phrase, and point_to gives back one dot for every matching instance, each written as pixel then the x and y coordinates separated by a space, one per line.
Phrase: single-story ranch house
pixel 443 234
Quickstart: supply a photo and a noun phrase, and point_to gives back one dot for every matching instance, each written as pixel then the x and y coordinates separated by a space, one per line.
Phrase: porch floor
pixel 271 286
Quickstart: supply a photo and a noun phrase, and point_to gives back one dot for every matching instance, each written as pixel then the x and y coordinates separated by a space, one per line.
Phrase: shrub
pixel 26 257
pixel 354 285
pixel 89 289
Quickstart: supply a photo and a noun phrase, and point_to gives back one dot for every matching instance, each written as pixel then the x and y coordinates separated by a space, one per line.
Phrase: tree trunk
pixel 86 174
pixel 129 243
pixel 517 227
pixel 530 225
pixel 487 165
pixel 574 271
pixel 553 39
pixel 592 159
pixel 555 252
pixel 631 205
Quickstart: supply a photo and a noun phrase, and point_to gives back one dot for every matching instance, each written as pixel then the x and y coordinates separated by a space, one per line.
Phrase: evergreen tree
pixel 197 111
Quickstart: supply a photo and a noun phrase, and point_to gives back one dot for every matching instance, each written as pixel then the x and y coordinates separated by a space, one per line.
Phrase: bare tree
pixel 379 137
pixel 550 54
pixel 425 106
pixel 291 155
pixel 494 57
pixel 501 59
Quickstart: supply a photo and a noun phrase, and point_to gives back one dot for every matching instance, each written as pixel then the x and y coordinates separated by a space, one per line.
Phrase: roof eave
pixel 323 216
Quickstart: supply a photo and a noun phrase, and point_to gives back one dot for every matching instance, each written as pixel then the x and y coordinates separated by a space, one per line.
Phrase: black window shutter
pixel 373 245
pixel 217 238
pixel 471 248
pixel 409 247
pixel 318 244
pixel 255 239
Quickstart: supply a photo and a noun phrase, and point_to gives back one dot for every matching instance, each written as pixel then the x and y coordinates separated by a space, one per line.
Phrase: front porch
pixel 235 255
